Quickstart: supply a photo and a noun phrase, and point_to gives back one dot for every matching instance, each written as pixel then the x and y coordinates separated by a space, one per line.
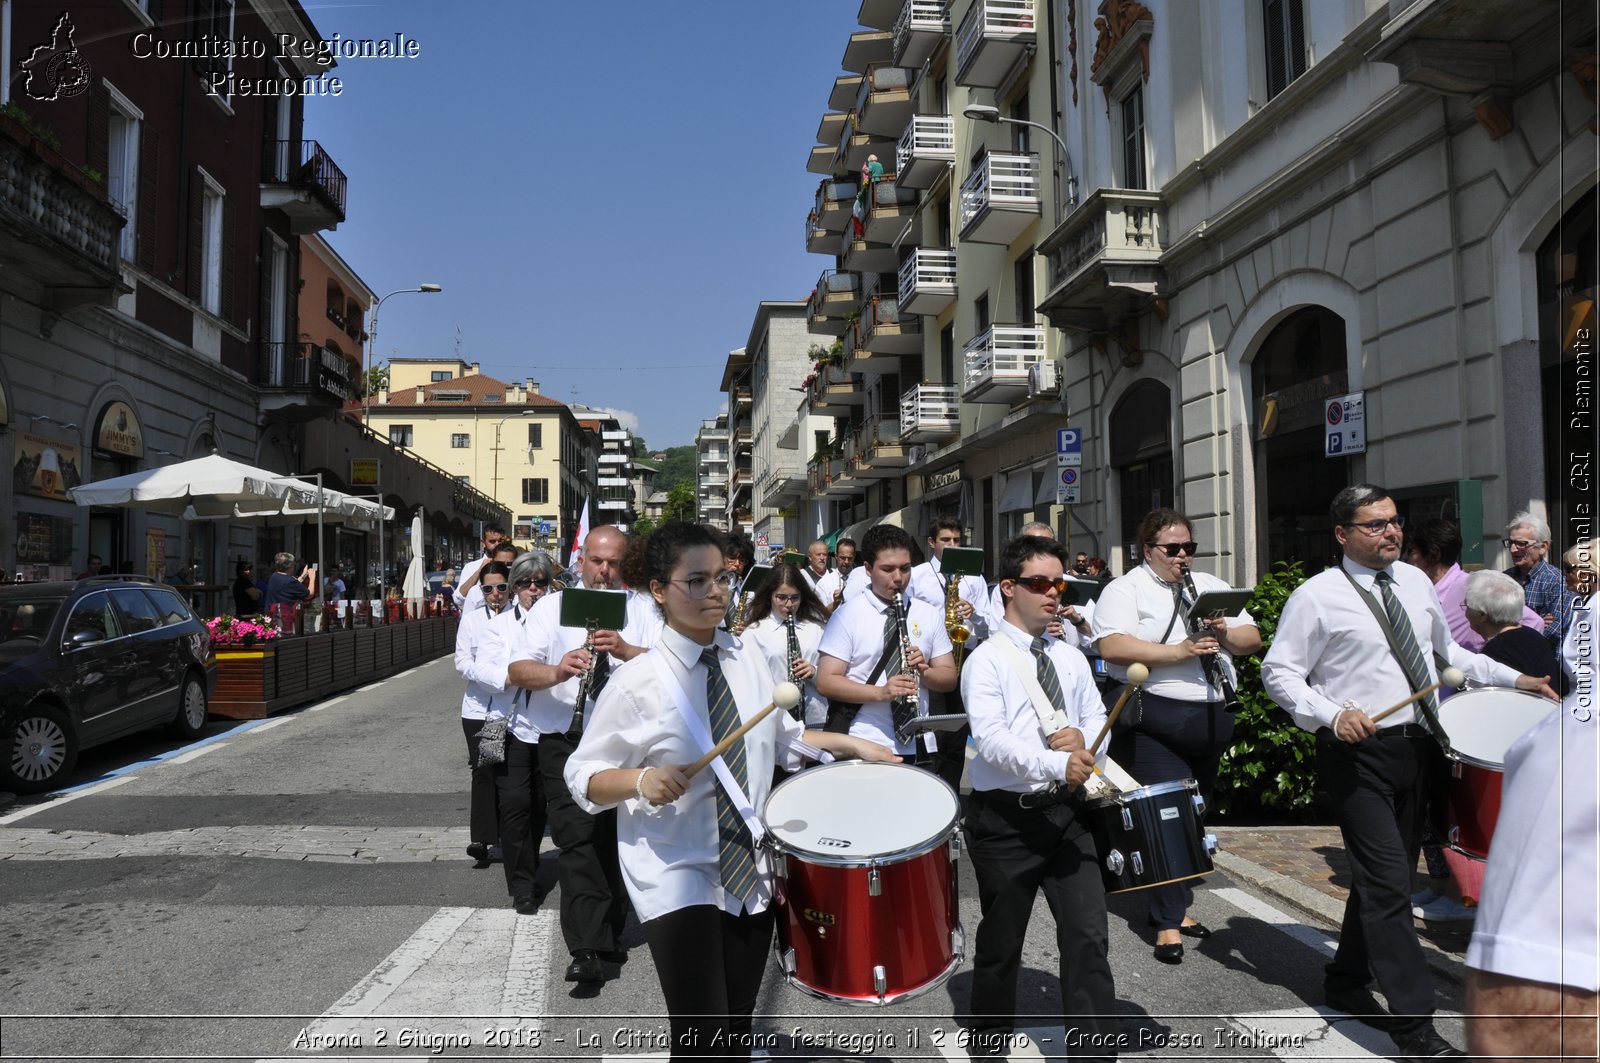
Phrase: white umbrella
pixel 416 584
pixel 213 480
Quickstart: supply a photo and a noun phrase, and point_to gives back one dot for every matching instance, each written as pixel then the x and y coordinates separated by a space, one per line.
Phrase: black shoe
pixel 1194 930
pixel 1172 953
pixel 1426 1044
pixel 1355 1002
pixel 480 853
pixel 525 905
pixel 617 956
pixel 585 968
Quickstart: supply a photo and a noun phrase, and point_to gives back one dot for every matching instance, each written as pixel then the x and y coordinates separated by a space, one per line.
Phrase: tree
pixel 677 465
pixel 377 380
pixel 680 502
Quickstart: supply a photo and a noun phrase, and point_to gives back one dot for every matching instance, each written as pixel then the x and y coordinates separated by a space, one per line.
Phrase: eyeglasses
pixel 524 584
pixel 1376 527
pixel 1519 544
pixel 700 586
pixel 494 588
pixel 1174 549
pixel 1042 584
pixel 786 599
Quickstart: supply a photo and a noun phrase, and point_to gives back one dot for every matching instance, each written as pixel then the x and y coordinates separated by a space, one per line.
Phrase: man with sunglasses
pixel 1023 827
pixel 548 662
pixel 1528 539
pixel 1352 641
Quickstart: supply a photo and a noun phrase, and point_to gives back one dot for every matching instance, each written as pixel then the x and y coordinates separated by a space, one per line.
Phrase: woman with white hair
pixel 1493 604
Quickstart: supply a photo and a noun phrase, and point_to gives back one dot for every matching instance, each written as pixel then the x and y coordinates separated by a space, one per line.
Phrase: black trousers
pixel 1015 853
pixel 594 900
pixel 1379 788
pixel 522 815
pixel 710 964
pixel 951 759
pixel 1174 740
pixel 483 815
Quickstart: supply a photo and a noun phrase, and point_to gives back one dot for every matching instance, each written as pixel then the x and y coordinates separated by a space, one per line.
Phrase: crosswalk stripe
pixel 1265 912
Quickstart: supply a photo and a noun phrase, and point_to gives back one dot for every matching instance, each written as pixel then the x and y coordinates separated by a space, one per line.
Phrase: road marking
pixel 1317 939
pixel 528 969
pixel 63 798
pixel 193 754
pixel 330 703
pixel 269 725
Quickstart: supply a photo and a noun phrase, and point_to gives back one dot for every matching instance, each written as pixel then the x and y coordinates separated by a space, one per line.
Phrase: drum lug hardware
pixel 1127 818
pixel 1114 862
pixel 1199 805
pixel 1210 843
pixel 874 883
pixel 955 846
pixel 1138 863
pixel 1455 835
pixel 958 943
pixel 786 960
pixel 880 981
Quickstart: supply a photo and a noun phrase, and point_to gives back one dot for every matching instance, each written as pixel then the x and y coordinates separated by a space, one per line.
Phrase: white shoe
pixel 1445 910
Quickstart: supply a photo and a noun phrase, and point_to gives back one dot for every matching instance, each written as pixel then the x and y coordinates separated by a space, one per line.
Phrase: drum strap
pixel 1023 667
pixel 702 738
pixel 1431 720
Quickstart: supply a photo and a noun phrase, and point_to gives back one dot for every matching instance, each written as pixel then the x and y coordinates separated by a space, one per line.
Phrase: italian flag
pixel 583 533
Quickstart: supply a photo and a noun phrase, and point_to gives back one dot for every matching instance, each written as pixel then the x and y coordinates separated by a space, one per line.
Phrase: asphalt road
pixel 297 888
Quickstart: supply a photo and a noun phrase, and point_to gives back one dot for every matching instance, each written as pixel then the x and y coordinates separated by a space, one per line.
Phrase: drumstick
pixel 784 695
pixel 1450 677
pixel 1137 674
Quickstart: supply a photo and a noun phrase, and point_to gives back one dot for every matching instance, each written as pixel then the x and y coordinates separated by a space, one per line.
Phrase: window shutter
pixel 97 154
pixel 1272 18
pixel 205 17
pixel 148 165
pixel 264 321
pixel 228 310
pixel 193 281
pixel 1295 61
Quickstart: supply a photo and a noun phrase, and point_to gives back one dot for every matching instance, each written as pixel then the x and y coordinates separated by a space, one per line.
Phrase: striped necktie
pixel 1411 654
pixel 736 850
pixel 1047 676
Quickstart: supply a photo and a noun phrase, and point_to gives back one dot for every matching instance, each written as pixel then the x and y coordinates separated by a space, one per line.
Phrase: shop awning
pixel 1018 493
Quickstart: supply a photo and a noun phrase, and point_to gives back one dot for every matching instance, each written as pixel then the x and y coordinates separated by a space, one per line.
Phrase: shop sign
pixel 364 472
pixel 119 431
pixel 43 539
pixel 937 481
pixel 46 467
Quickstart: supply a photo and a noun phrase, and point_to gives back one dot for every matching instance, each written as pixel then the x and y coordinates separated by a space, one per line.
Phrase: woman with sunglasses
pixel 704 902
pixel 474 649
pixel 789 594
pixel 1182 726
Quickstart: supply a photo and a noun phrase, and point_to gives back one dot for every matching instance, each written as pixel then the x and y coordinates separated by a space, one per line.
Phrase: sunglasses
pixel 1174 549
pixel 1042 584
pixel 494 588
pixel 524 584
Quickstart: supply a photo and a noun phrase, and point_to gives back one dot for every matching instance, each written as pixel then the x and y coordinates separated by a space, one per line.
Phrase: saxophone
pixel 960 631
pixel 795 657
pixel 740 606
pixel 907 701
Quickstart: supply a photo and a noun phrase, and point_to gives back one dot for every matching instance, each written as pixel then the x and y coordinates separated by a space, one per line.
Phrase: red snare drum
pixel 867 907
pixel 1482 724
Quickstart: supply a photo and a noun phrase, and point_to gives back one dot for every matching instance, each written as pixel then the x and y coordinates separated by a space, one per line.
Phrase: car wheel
pixel 39 749
pixel 190 722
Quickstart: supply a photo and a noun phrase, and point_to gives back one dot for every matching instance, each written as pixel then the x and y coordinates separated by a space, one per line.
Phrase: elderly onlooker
pixel 1493 606
pixel 1435 547
pixel 1528 538
pixel 1582 568
pixel 284 589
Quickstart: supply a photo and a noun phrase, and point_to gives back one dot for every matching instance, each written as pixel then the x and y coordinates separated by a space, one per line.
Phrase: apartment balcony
pixel 300 179
pixel 860 255
pixel 1104 259
pixel 878 452
pixel 612 460
pixel 817 477
pixel 742 440
pixel 302 381
pixel 834 391
pixel 831 214
pixel 927 148
pixel 919 29
pixel 821 158
pixel 879 14
pixel 997 363
pixel 717 502
pixel 928 281
pixel 886 330
pixel 614 435
pixel 994 36
pixel 782 486
pixel 842 480
pixel 842 97
pixel 1464 50
pixel 836 296
pixel 867 47
pixel 930 413
pixel 743 396
pixel 889 208
pixel 57 228
pixel 1000 198
pixel 883 105
pixel 739 479
pixel 831 126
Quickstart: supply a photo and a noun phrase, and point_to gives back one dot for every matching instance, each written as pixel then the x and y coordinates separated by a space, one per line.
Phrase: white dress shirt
pixel 771 636
pixel 1536 919
pixel 475 652
pixel 476 594
pixel 1329 648
pixel 1082 641
pixel 670 854
pixel 1013 751
pixel 928 585
pixel 1578 648
pixel 1140 605
pixel 546 641
pixel 492 664
pixel 856 582
pixel 855 635
pixel 827 586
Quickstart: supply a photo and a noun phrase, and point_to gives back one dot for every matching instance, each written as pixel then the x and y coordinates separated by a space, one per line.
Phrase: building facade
pixel 713 450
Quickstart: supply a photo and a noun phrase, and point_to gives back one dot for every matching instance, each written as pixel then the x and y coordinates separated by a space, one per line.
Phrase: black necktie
pixel 735 850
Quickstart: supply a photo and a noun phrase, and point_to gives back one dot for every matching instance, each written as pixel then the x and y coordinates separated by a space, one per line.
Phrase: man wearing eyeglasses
pixel 548 663
pixel 1352 641
pixel 1528 538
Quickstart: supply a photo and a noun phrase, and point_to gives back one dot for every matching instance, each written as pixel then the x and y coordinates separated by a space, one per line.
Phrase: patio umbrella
pixel 416 585
pixel 211 481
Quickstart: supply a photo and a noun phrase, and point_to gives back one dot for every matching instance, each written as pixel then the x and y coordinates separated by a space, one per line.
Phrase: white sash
pixel 702 738
pixel 1050 718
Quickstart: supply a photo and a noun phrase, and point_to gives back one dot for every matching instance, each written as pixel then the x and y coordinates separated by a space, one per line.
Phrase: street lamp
pixel 372 339
pixel 985 113
pixel 494 490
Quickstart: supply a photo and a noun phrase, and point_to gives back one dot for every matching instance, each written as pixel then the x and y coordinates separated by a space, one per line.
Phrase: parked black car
pixel 86 662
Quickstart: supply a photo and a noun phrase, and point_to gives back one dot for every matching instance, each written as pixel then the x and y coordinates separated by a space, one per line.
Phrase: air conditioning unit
pixel 1044 379
pixel 916 453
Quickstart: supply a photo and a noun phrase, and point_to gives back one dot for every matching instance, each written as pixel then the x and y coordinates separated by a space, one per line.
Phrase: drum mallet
pixel 1450 677
pixel 1137 674
pixel 784 696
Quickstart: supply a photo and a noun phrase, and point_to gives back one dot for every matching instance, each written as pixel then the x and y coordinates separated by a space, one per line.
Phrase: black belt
pixel 1404 730
pixel 1034 801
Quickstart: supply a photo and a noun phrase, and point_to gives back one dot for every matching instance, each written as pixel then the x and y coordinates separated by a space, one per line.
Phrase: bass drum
pixel 1482 724
pixel 1151 836
pixel 867 905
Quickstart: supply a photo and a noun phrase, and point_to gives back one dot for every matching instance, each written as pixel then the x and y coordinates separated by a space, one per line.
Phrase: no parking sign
pixel 1067 485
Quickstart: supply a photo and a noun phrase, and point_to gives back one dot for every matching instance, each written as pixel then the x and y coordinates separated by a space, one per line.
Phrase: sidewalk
pixel 1305 868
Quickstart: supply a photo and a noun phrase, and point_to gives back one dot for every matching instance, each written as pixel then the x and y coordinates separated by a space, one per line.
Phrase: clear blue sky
pixel 602 189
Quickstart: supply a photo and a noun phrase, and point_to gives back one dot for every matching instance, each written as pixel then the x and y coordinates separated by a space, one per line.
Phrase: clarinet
pixel 795 657
pixel 906 700
pixel 1216 675
pixel 585 681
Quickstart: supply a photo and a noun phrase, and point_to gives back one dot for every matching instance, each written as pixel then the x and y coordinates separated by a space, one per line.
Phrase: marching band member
pixel 930 584
pixel 700 884
pixel 787 596
pixel 876 689
pixel 816 569
pixel 550 663
pixel 473 641
pixel 1023 827
pixel 830 588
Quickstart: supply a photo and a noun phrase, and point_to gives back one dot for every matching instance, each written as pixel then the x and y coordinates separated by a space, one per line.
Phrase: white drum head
pixel 852 811
pixel 1482 724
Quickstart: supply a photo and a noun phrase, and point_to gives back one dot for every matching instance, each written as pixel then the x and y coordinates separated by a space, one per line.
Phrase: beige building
pixel 521 448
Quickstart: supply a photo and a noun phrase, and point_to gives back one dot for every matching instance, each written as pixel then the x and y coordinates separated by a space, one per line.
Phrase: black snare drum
pixel 1151 836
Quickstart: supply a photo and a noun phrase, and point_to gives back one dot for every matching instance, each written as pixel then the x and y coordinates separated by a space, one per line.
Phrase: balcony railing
pixel 884 102
pixel 836 295
pixel 926 149
pixel 303 181
pixel 927 281
pixel 878 451
pixel 888 208
pixel 997 362
pixel 919 29
pixel 887 329
pixel 834 200
pixel 1104 257
pixel 930 412
pixel 311 370
pixel 834 390
pixel 1000 198
pixel 59 228
pixel 993 36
